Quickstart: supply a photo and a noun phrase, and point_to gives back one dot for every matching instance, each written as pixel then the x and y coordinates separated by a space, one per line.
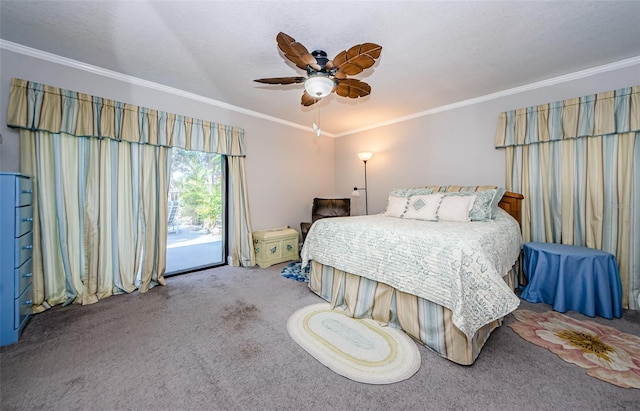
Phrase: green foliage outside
pixel 196 183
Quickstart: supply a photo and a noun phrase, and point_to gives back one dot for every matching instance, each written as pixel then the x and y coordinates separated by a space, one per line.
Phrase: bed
pixel 446 283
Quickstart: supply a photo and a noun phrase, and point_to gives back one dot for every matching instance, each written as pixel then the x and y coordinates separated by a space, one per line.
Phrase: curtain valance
pixel 612 112
pixel 37 106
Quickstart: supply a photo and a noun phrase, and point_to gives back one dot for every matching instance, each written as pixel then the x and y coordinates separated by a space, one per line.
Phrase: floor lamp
pixel 365 156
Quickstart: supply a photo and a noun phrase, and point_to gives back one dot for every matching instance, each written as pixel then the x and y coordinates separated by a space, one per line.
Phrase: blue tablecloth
pixel 572 278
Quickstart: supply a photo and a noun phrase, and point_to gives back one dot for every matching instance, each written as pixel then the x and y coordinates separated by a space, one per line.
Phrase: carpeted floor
pixel 217 340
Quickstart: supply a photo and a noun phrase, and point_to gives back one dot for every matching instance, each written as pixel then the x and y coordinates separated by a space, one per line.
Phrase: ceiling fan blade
pixel 308 100
pixel 357 58
pixel 296 52
pixel 353 88
pixel 340 75
pixel 370 49
pixel 281 80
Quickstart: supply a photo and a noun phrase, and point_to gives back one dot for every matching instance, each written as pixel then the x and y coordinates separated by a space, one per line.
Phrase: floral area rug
pixel 294 271
pixel 605 352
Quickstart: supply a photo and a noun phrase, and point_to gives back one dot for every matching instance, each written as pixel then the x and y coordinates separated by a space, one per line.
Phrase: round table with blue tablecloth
pixel 573 278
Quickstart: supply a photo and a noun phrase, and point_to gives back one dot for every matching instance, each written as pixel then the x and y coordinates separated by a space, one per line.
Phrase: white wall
pixel 450 147
pixel 286 167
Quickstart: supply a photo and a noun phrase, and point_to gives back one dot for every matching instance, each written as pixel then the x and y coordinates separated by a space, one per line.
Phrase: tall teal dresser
pixel 16 241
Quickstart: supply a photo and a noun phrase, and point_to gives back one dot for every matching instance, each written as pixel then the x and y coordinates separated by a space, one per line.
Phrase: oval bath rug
pixel 359 349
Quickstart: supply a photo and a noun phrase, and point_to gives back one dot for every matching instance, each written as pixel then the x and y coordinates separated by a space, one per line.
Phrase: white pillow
pixel 456 208
pixel 423 207
pixel 396 206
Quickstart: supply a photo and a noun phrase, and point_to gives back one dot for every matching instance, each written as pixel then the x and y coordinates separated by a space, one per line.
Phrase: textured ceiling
pixel 434 53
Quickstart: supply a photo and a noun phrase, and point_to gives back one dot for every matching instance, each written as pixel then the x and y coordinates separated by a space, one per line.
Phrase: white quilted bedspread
pixel 457 265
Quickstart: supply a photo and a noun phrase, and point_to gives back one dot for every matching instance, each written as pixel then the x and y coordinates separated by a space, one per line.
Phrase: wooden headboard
pixel 511 204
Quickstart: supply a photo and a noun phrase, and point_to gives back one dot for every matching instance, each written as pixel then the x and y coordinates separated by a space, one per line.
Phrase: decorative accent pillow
pixel 396 206
pixel 456 208
pixel 423 207
pixel 496 200
pixel 485 205
pixel 481 210
pixel 408 192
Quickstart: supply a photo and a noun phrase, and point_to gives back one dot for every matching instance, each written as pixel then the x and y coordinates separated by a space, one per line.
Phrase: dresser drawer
pixel 24 277
pixel 23 249
pixel 23 307
pixel 16 264
pixel 24 191
pixel 24 220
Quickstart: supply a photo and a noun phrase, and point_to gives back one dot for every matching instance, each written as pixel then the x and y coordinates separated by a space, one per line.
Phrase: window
pixel 196 211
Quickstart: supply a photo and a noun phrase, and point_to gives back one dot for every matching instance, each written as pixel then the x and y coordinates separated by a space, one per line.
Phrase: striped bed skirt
pixel 423 320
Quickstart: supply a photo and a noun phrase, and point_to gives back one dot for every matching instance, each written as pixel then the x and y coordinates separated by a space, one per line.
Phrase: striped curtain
pixel 577 163
pixel 101 170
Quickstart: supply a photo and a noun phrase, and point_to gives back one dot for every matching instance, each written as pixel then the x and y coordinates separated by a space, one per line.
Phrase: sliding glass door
pixel 197 211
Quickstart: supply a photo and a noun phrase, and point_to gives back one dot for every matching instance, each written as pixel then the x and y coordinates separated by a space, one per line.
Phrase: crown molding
pixel 504 93
pixel 43 55
pixel 54 58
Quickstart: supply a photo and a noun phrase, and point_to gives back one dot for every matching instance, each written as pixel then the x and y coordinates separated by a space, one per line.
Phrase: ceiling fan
pixel 323 75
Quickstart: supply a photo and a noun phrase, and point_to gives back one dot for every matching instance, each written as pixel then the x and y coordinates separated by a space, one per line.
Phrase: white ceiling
pixel 434 53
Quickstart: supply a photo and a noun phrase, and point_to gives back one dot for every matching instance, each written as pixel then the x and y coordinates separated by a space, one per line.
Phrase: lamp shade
pixel 318 86
pixel 365 156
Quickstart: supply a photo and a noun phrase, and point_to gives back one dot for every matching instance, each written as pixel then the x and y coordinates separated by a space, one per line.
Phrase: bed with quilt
pixel 440 263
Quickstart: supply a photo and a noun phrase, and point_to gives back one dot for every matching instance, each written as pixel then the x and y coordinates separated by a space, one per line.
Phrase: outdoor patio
pixel 189 247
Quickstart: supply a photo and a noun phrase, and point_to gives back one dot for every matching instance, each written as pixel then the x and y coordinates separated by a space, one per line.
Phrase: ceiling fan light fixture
pixel 319 86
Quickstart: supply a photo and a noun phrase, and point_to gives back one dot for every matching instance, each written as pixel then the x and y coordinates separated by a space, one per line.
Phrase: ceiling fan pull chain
pixel 316 124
